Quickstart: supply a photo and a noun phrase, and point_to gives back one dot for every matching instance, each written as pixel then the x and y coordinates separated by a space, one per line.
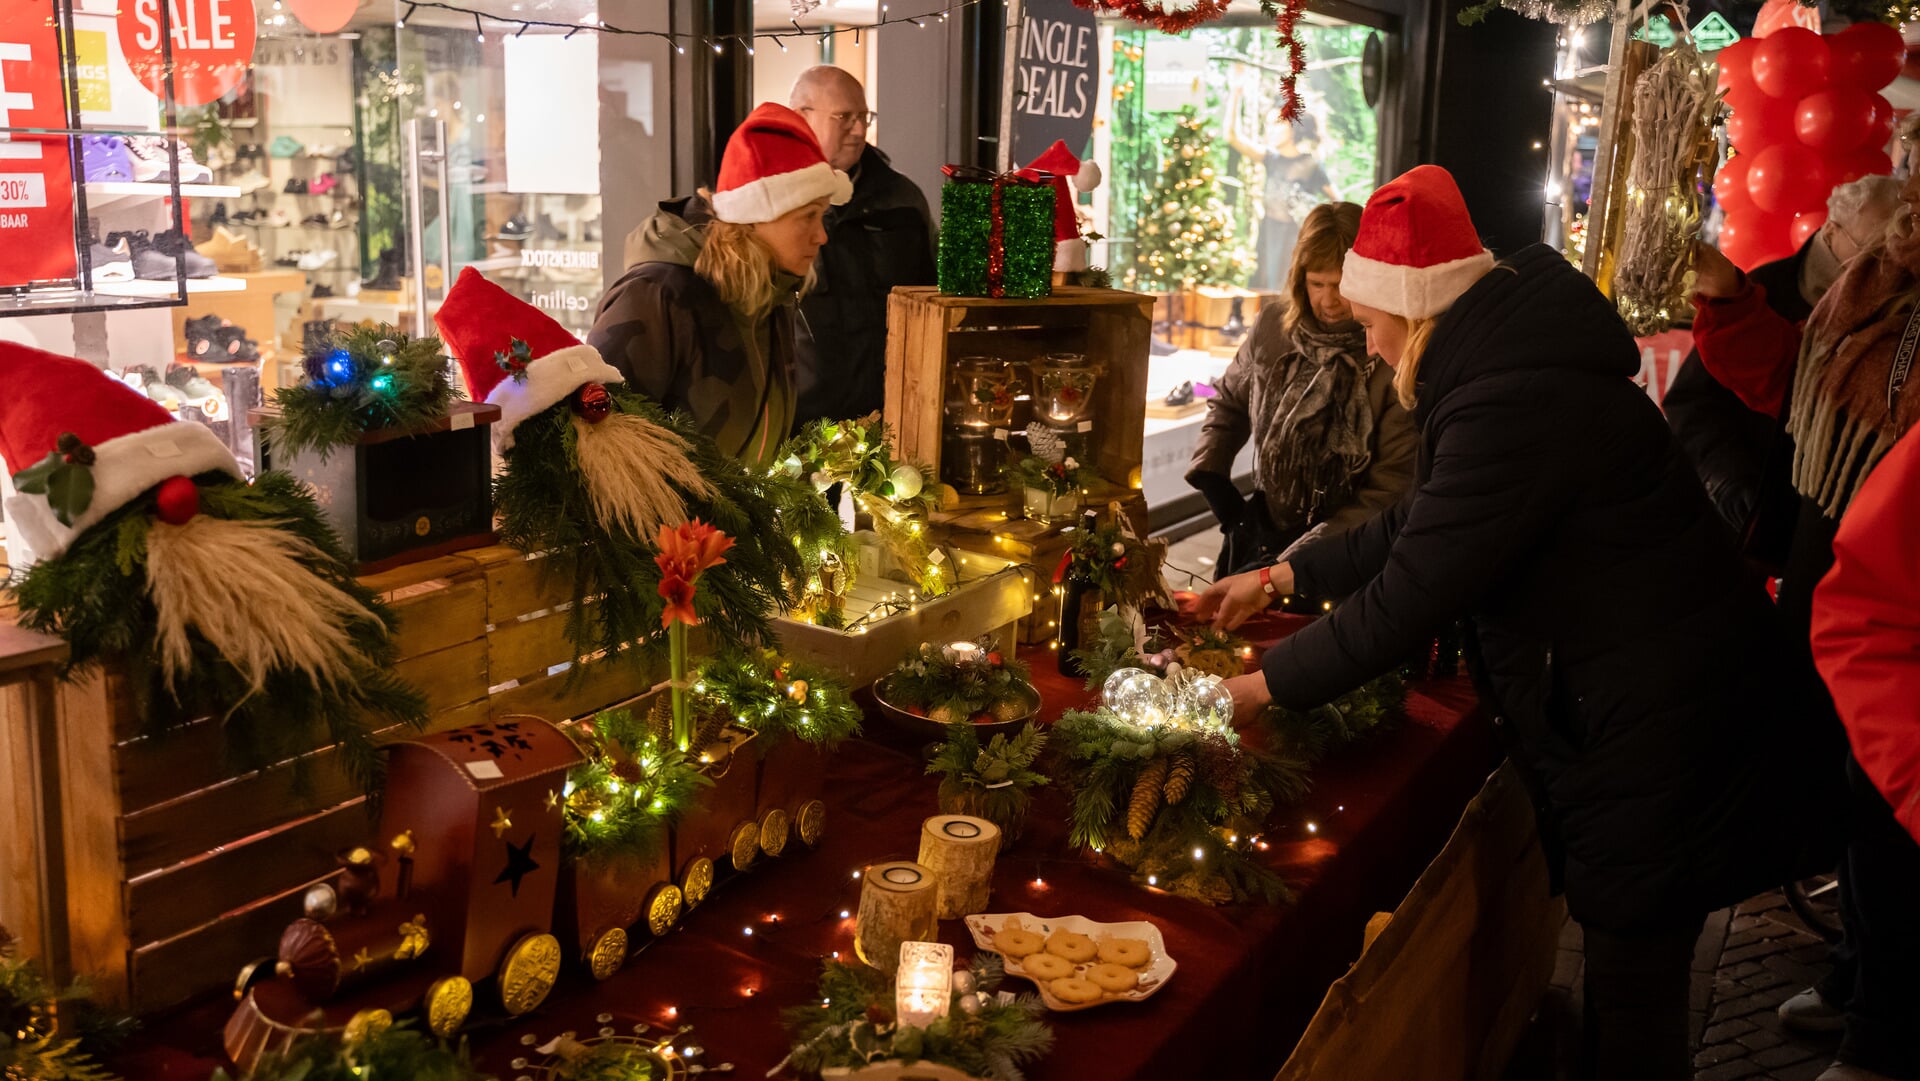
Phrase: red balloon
pixel 1867 56
pixel 1759 120
pixel 1736 64
pixel 1792 63
pixel 1750 240
pixel 1730 185
pixel 1836 120
pixel 1805 224
pixel 1786 178
pixel 1867 161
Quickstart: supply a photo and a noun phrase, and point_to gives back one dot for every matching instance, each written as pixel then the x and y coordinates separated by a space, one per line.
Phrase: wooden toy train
pixel 479 902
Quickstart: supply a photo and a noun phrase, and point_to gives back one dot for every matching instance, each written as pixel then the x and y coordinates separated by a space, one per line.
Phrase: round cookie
pixel 1075 990
pixel 1045 966
pixel 1114 979
pixel 1017 943
pixel 1131 952
pixel 1074 947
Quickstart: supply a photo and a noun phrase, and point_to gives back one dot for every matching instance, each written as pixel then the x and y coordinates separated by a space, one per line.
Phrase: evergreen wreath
pixel 853 1025
pixel 777 698
pixel 544 505
pixel 96 595
pixel 898 496
pixel 632 788
pixel 394 1051
pixel 372 378
pixel 49 1033
pixel 1158 799
pixel 943 687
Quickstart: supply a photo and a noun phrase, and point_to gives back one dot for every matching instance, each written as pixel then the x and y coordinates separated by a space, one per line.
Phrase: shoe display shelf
pixel 103 192
pixel 249 304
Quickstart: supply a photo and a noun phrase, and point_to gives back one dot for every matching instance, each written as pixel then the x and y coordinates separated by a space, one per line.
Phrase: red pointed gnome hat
pixel 480 322
pixel 136 443
pixel 774 165
pixel 1062 166
pixel 1417 250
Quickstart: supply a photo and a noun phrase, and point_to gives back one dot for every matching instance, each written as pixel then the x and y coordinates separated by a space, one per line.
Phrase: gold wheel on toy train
pixel 449 1001
pixel 367 1024
pixel 697 882
pixel 745 845
pixel 664 906
pixel 608 954
pixel 774 829
pixel 813 822
pixel 527 975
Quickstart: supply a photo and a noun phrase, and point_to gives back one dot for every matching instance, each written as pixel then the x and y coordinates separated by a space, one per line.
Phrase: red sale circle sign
pixel 212 45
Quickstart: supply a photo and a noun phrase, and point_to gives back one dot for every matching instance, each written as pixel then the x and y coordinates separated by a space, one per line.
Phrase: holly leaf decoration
pixel 64 476
pixel 515 359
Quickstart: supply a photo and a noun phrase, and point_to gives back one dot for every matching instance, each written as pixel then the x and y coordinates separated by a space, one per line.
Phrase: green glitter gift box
pixel 985 256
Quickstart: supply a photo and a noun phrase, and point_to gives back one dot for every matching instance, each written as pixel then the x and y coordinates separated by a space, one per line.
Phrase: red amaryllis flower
pixel 684 553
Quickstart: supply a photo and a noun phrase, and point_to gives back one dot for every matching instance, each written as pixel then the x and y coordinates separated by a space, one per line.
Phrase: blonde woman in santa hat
pixel 703 321
pixel 1614 638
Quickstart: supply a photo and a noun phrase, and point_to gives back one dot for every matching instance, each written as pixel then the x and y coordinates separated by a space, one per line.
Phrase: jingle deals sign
pixel 36 179
pixel 212 45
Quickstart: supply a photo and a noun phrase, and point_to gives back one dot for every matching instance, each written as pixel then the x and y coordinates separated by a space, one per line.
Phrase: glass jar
pixel 981 392
pixel 1063 388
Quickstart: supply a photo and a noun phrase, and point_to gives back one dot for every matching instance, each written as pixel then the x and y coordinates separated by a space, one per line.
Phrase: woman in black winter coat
pixel 1617 643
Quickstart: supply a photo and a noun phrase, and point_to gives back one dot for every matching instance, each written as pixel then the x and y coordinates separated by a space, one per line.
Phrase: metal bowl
pixel 926 728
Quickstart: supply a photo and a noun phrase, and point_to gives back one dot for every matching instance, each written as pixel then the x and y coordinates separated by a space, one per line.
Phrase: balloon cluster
pixel 1807 116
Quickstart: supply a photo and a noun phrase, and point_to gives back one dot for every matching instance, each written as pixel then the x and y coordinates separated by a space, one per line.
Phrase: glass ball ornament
pixel 1142 699
pixel 1209 701
pixel 1120 678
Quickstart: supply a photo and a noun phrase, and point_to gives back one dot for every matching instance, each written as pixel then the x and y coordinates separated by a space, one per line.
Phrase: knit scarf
pixel 1840 419
pixel 1319 434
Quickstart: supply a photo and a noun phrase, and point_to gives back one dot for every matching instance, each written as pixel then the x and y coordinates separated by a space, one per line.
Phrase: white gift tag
pixel 1000 434
pixel 1086 426
pixel 485 769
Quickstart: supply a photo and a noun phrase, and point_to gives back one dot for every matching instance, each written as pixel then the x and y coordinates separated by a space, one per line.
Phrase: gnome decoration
pixel 142 544
pixel 1068 175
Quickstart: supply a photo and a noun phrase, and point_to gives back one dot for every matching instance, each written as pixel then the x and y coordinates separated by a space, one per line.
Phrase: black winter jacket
pixel 1622 650
pixel 881 238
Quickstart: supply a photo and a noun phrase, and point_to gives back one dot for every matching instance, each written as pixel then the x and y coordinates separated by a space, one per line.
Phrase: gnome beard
pixel 279 615
pixel 637 473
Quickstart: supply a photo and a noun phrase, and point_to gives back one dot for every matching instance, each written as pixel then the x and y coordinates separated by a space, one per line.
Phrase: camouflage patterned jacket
pixel 667 330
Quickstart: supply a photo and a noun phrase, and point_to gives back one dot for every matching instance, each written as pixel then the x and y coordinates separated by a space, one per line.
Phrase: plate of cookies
pixel 1074 962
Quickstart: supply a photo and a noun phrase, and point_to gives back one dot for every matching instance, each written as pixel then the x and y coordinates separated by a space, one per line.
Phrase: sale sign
pixel 212 45
pixel 36 174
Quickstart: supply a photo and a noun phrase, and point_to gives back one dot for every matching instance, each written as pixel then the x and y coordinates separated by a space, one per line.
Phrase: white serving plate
pixel 1153 977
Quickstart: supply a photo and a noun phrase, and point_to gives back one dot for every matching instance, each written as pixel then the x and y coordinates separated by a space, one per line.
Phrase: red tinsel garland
pixel 1285 14
pixel 997 243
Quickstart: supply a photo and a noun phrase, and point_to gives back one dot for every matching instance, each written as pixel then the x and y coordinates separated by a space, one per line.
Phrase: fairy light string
pixel 717 42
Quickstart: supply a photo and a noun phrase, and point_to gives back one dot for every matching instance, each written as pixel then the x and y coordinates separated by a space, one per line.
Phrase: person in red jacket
pixel 1866 642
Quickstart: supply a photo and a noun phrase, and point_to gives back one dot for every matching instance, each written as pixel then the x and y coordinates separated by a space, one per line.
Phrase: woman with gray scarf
pixel 1332 446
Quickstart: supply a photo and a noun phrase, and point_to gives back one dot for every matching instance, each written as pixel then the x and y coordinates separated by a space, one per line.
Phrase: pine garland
pixel 778 698
pixel 372 378
pixel 399 1051
pixel 544 506
pixel 896 495
pixel 992 685
pixel 95 596
pixel 1352 719
pixel 49 1033
pixel 1118 776
pixel 853 1025
pixel 632 788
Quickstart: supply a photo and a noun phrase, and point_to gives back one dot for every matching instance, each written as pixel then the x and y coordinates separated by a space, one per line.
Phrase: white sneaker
pixel 1841 1071
pixel 314 260
pixel 149 154
pixel 1808 1012
pixel 191 171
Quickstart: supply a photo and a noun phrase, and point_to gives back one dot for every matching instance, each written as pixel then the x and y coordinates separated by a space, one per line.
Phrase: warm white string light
pixel 716 42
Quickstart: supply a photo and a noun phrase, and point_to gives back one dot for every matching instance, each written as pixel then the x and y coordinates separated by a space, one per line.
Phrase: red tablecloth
pixel 1249 976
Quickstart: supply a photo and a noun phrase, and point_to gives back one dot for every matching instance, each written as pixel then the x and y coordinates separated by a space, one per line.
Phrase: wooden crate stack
pixel 925 330
pixel 181 868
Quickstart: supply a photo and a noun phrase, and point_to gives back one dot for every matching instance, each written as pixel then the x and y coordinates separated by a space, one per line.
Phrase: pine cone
pixel 1146 797
pixel 707 729
pixel 1179 778
pixel 660 719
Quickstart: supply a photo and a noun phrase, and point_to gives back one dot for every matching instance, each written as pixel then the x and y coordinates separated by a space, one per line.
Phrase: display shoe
pixel 161 391
pixel 230 251
pixel 138 376
pixel 389 272
pixel 295 186
pixel 1181 395
pixel 279 218
pixel 202 334
pixel 284 146
pixel 516 228
pixel 323 184
pixel 322 291
pixel 1809 1012
pixel 232 346
pixel 111 261
pixel 159 258
pixel 316 260
pixel 192 171
pixel 219 215
pixel 150 161
pixel 338 220
pixel 251 179
pixel 292 258
pixel 317 221
pixel 106 158
pixel 192 386
pixel 346 162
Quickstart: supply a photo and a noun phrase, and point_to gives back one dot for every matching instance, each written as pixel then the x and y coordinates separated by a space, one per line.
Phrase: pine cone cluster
pixel 1179 778
pixel 1147 791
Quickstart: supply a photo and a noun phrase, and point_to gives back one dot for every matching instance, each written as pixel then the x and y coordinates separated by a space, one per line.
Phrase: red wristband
pixel 1266 581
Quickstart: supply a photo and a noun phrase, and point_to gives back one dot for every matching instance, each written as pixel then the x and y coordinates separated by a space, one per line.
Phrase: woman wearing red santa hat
pixel 1614 638
pixel 703 321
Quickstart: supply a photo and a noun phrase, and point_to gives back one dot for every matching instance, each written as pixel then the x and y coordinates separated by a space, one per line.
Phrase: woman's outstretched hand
pixel 1250 697
pixel 1233 599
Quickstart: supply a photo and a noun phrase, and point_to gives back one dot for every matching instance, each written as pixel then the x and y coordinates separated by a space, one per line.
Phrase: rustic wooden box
pixel 180 869
pixel 925 331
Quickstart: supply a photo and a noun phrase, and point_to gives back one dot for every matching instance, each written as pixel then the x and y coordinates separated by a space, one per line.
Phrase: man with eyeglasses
pixel 883 237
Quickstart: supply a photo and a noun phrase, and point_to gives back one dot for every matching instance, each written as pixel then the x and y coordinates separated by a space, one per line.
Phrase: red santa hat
pixel 480 322
pixel 1417 250
pixel 774 165
pixel 136 444
pixel 1060 164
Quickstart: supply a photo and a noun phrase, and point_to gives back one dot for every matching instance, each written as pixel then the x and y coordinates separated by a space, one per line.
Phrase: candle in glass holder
pixel 923 986
pixel 964 654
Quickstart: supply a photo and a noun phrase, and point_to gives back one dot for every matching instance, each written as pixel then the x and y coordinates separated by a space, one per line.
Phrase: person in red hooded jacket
pixel 1866 642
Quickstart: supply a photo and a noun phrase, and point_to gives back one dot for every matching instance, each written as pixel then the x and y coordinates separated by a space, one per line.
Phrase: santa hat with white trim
pixel 71 411
pixel 773 165
pixel 1060 166
pixel 512 354
pixel 1417 250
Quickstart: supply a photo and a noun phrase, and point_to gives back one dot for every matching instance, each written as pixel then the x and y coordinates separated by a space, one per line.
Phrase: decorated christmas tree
pixel 1187 237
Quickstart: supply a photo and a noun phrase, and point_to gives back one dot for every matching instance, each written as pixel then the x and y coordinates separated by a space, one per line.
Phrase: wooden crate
pixel 925 330
pixel 181 868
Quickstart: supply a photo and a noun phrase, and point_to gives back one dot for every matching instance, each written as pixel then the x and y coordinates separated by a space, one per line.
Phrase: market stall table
pixel 1249 976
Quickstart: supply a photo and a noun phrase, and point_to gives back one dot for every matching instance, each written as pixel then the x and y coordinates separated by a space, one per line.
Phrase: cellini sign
pixel 212 45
